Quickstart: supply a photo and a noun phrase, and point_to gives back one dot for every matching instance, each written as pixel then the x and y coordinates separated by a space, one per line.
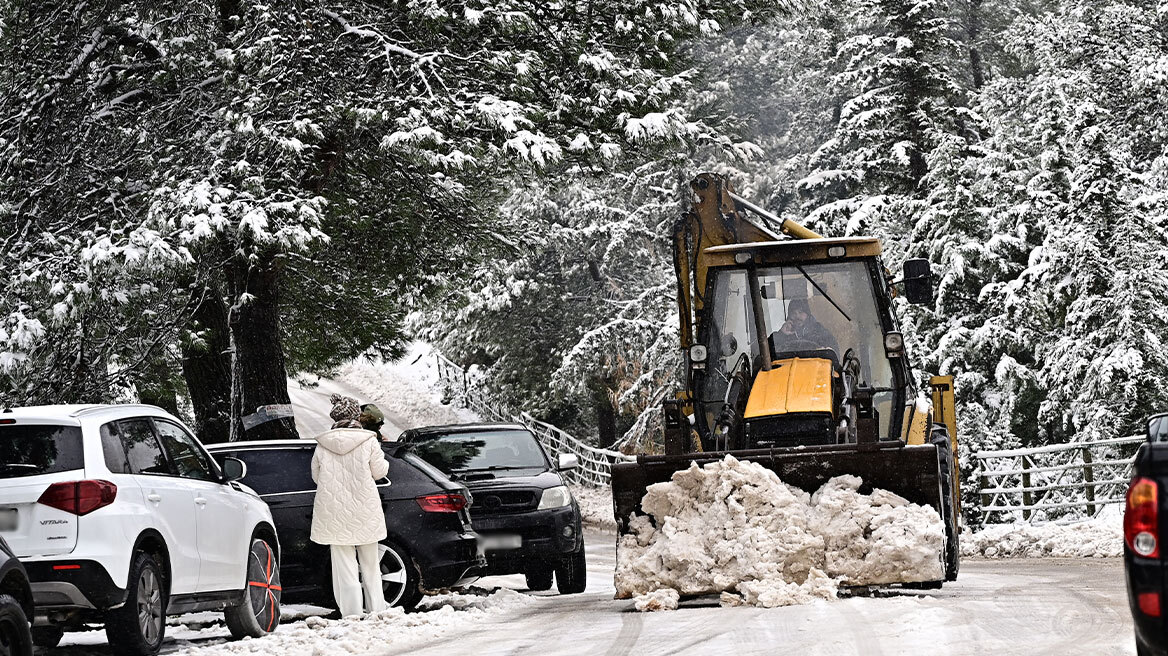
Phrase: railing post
pixel 1026 498
pixel 985 485
pixel 1089 481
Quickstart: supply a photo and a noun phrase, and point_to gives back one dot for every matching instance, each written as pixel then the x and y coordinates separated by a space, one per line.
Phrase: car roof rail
pixel 107 406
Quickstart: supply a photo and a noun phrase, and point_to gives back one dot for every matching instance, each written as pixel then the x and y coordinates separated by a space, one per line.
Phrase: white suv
pixel 120 516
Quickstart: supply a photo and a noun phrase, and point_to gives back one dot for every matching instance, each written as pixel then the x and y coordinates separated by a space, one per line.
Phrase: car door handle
pixel 153 497
pixel 200 501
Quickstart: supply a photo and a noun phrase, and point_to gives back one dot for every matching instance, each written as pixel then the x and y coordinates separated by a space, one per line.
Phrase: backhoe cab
pixel 795 361
pixel 797 344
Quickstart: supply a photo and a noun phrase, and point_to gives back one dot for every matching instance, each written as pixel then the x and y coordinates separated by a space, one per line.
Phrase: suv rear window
pixel 33 449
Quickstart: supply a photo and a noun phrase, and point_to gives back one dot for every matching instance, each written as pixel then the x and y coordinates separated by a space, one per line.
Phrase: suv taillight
pixel 447 503
pixel 1140 517
pixel 79 497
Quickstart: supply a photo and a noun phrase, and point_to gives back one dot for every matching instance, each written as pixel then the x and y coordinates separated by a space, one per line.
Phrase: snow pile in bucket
pixel 1095 538
pixel 733 527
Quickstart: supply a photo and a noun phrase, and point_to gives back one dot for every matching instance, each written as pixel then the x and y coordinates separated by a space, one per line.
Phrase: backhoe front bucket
pixel 913 472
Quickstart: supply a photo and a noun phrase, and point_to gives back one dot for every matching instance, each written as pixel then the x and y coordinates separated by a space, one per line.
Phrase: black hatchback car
pixel 16 608
pixel 527 517
pixel 430 545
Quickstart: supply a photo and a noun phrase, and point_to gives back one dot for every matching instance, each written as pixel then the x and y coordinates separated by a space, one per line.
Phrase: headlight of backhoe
pixel 555 497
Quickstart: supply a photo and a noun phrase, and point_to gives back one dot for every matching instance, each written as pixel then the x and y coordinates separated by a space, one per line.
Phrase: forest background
pixel 199 201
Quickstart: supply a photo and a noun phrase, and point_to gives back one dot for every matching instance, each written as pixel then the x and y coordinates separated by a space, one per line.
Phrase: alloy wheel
pixel 394 576
pixel 149 606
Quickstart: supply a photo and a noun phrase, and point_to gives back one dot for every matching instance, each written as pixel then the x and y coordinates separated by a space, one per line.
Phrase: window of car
pixel 186 455
pixel 113 450
pixel 275 471
pixel 480 450
pixel 33 449
pixel 143 453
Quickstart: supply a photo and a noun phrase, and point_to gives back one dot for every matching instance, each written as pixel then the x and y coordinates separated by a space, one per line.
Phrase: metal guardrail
pixel 595 464
pixel 1055 481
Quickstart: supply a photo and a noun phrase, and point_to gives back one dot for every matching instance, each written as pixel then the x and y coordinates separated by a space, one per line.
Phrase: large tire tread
pixel 572 573
pixel 539 577
pixel 940 437
pixel 14 628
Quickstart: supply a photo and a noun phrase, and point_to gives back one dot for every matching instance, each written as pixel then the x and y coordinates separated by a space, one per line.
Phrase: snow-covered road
pixel 1027 606
pixel 1002 607
pixel 311 406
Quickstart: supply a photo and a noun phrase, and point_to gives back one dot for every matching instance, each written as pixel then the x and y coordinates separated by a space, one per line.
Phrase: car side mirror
pixel 1158 427
pixel 568 461
pixel 234 469
pixel 918 282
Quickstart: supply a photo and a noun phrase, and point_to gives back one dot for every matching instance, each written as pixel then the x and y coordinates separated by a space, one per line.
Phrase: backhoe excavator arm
pixel 716 219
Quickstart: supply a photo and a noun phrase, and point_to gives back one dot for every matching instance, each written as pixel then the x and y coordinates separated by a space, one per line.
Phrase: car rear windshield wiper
pixel 18 466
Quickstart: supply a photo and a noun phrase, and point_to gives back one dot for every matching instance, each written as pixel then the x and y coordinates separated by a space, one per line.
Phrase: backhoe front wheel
pixel 940 438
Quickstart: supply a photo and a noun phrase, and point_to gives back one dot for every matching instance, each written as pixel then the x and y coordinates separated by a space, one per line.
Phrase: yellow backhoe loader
pixel 795 361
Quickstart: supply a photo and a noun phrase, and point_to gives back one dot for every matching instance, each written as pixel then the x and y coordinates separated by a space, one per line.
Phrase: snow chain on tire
pixel 258 613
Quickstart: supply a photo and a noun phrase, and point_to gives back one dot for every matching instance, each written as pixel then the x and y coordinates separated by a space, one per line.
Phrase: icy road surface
pixel 1030 606
pixel 1033 606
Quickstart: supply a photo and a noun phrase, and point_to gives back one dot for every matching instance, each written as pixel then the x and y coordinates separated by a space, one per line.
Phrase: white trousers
pixel 346 586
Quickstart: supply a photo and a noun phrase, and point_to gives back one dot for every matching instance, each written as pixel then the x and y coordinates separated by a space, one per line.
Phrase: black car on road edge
pixel 1144 524
pixel 430 545
pixel 527 517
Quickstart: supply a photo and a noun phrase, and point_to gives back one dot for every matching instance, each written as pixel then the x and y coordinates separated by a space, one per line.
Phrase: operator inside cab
pixel 801 331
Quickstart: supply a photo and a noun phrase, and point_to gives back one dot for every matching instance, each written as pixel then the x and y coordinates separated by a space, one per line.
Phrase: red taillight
pixel 1140 525
pixel 79 497
pixel 1149 603
pixel 7 421
pixel 442 502
pixel 61 567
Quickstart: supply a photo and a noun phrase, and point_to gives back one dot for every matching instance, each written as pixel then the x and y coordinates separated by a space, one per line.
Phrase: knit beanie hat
pixel 345 412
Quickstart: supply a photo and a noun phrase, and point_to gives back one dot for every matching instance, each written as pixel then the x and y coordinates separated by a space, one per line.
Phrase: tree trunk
pixel 605 418
pixel 259 377
pixel 206 366
pixel 973 33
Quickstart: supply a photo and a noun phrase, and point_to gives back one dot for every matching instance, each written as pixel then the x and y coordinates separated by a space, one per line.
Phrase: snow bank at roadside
pixel 375 633
pixel 406 389
pixel 733 527
pixel 595 507
pixel 1095 538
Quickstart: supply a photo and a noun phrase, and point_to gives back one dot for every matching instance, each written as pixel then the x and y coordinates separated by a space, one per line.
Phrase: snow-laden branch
pixel 391 48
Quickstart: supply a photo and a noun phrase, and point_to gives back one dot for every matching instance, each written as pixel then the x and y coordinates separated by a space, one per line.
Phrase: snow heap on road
pixel 1096 538
pixel 733 527
pixel 663 599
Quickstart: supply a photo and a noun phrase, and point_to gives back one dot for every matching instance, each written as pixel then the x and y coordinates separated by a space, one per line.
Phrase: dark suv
pixel 527 517
pixel 430 545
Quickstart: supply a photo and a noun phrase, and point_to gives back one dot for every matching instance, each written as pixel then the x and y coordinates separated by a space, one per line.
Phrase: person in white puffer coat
pixel 347 513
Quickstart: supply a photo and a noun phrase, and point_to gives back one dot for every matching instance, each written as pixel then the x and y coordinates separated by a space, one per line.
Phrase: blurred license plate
pixel 7 519
pixel 496 542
